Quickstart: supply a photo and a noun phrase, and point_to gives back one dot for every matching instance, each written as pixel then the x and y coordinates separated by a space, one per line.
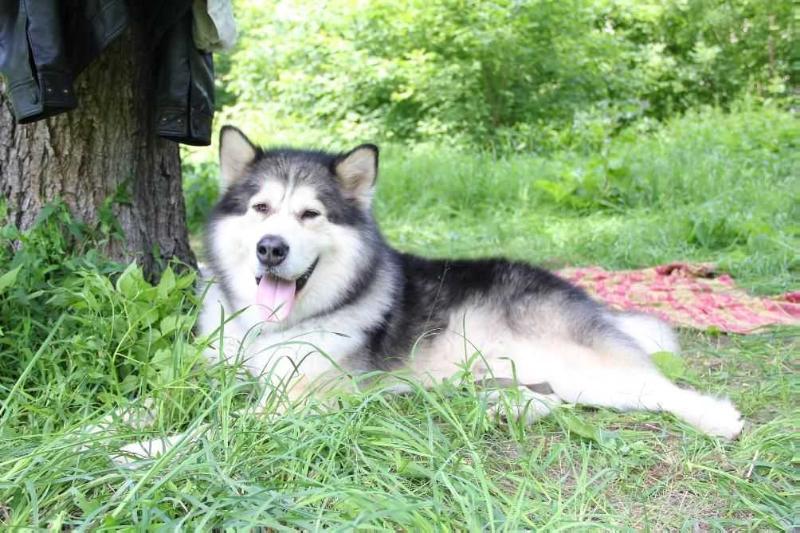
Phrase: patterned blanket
pixel 688 295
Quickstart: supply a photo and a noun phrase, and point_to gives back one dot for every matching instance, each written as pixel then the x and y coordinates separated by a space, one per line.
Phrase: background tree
pixel 103 159
pixel 505 75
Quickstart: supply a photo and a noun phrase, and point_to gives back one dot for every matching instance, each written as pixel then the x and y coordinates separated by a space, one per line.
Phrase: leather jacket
pixel 45 44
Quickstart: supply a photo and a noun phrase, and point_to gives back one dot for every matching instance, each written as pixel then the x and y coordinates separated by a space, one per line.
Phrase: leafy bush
pixel 700 156
pixel 507 74
pixel 64 307
pixel 200 192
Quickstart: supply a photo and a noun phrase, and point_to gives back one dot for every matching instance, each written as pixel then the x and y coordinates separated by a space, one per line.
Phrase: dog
pixel 305 287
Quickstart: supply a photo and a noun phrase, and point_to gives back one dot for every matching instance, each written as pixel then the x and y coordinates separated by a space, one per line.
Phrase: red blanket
pixel 687 295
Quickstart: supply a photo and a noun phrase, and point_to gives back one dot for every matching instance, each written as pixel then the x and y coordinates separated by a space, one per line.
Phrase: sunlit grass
pixel 433 458
pixel 710 188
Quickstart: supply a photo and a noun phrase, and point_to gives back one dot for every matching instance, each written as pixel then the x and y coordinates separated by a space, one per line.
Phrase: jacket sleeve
pixel 185 91
pixel 38 74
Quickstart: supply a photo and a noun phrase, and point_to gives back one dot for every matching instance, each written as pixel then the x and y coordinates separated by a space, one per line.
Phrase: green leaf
pixel 168 324
pixel 557 191
pixel 147 316
pixel 671 365
pixel 128 284
pixel 581 428
pixel 162 359
pixel 130 384
pixel 167 284
pixel 86 505
pixel 185 280
pixel 8 279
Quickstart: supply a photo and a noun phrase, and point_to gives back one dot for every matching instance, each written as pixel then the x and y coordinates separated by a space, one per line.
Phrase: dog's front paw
pixel 520 404
pixel 142 450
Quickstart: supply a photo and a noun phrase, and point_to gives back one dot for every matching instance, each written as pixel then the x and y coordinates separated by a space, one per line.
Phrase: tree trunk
pixel 106 145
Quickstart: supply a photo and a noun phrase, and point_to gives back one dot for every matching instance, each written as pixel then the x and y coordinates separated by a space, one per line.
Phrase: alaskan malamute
pixel 295 251
pixel 306 288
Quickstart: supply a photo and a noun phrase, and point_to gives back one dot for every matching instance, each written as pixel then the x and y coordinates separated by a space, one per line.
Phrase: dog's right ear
pixel 236 152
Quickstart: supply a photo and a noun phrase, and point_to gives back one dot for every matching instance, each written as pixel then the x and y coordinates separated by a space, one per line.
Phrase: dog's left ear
pixel 357 171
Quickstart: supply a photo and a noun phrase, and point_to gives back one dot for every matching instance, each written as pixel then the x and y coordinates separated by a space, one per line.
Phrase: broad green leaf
pixel 583 429
pixel 128 282
pixel 671 365
pixel 8 279
pixel 168 324
pixel 166 284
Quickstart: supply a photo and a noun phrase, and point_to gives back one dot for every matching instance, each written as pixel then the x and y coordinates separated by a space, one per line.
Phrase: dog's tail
pixel 651 334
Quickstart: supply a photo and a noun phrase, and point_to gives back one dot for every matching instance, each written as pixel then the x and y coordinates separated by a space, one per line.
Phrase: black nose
pixel 272 250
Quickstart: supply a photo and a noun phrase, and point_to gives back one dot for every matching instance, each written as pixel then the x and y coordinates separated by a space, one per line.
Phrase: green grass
pixel 710 187
pixel 707 187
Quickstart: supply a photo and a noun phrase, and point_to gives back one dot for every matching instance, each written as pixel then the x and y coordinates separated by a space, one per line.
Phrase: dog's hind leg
pixel 648 332
pixel 622 378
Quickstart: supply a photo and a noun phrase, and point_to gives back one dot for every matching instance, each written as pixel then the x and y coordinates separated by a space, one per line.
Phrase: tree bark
pixel 106 145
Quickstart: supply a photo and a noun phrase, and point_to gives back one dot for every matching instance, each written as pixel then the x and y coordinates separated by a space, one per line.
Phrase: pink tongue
pixel 275 298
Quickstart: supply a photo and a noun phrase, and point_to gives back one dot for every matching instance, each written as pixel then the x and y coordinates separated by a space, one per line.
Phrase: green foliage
pixel 200 192
pixel 82 336
pixel 709 186
pixel 64 307
pixel 507 74
pixel 700 156
pixel 618 163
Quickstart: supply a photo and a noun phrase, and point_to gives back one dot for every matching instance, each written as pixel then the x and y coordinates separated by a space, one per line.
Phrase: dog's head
pixel 292 227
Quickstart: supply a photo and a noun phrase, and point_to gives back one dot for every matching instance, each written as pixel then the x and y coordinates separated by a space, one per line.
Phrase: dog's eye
pixel 261 208
pixel 308 214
